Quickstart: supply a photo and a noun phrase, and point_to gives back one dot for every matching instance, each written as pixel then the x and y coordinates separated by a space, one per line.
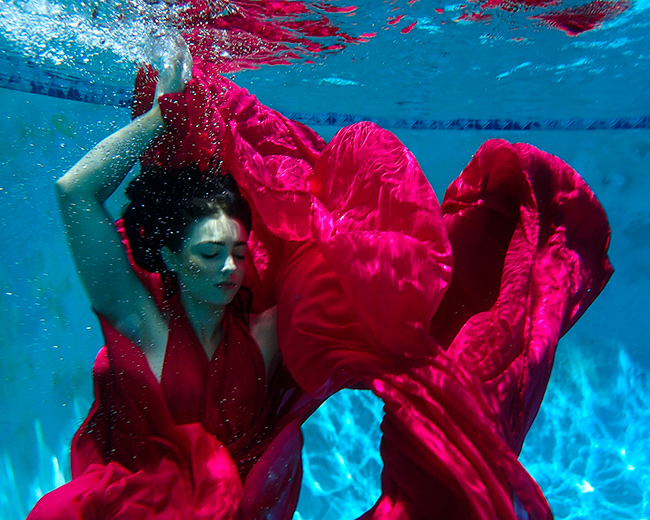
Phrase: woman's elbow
pixel 68 195
pixel 62 186
pixel 68 187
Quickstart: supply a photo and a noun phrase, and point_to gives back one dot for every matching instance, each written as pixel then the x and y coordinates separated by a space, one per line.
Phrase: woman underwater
pixel 182 371
pixel 450 314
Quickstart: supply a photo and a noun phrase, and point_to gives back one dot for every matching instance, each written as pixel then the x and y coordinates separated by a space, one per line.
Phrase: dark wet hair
pixel 163 203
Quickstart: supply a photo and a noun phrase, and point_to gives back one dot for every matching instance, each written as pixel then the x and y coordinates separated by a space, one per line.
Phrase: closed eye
pixel 238 256
pixel 215 249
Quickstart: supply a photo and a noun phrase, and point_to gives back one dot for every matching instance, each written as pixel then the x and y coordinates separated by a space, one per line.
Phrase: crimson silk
pixel 449 314
pixel 182 448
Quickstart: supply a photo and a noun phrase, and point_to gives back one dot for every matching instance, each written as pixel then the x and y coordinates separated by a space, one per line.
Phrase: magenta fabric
pixel 449 314
pixel 212 440
pixel 241 34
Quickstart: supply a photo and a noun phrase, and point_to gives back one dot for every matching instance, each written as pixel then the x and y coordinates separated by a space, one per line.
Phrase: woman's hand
pixel 175 71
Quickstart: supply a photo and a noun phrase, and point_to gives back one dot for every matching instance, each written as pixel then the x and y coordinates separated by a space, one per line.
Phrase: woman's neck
pixel 206 320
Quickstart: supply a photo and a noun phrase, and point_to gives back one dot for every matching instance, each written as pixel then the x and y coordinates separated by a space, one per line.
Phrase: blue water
pixel 588 447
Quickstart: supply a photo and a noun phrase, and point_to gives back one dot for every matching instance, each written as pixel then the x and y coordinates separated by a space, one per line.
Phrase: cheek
pixel 197 269
pixel 193 268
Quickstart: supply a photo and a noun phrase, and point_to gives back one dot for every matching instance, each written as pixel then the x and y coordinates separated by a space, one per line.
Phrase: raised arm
pixel 114 289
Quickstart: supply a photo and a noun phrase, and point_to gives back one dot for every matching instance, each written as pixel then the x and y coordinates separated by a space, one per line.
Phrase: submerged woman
pixel 188 395
pixel 451 317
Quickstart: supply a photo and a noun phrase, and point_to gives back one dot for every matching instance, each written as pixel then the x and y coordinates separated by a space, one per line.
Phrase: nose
pixel 229 265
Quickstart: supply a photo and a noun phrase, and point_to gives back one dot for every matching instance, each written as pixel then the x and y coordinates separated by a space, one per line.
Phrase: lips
pixel 226 285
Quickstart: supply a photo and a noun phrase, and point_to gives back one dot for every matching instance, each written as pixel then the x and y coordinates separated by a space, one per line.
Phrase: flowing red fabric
pixel 212 440
pixel 237 34
pixel 359 257
pixel 451 314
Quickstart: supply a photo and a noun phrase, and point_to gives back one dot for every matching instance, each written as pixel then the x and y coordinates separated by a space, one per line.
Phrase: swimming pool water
pixel 588 447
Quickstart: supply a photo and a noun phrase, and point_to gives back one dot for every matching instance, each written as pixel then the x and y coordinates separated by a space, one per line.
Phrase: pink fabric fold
pixel 451 314
pixel 452 317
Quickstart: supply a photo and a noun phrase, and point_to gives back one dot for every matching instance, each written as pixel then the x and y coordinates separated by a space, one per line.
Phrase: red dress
pixel 450 314
pixel 201 444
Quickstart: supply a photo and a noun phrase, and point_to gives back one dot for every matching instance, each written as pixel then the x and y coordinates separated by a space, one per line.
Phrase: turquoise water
pixel 588 447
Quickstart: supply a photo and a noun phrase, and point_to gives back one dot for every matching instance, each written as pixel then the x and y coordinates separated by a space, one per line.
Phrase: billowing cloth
pixel 197 445
pixel 451 316
pixel 351 244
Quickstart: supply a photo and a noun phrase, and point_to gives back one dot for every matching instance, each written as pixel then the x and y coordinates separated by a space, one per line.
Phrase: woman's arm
pixel 111 284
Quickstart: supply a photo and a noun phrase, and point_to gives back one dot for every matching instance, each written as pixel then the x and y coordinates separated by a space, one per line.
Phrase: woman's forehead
pixel 217 229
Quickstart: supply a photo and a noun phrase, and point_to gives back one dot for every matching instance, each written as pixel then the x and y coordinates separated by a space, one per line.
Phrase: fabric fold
pixel 450 314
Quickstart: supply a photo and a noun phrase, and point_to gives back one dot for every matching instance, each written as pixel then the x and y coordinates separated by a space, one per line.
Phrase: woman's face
pixel 210 263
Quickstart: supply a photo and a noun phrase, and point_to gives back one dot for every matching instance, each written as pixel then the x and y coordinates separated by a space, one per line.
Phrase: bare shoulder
pixel 264 329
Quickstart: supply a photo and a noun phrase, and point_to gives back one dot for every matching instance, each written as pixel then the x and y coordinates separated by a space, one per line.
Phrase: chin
pixel 225 300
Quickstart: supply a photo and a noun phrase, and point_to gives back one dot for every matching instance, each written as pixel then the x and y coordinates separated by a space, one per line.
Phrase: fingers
pixel 175 64
pixel 171 79
pixel 185 56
